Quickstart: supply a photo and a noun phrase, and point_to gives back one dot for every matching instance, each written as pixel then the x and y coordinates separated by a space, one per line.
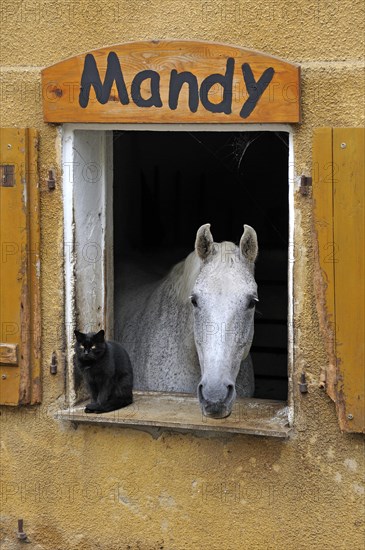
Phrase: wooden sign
pixel 172 82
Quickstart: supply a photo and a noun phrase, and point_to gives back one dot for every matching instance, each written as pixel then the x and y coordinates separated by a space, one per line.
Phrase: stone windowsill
pixel 161 411
pixel 155 410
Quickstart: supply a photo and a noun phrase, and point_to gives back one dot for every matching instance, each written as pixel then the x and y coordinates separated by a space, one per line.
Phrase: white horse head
pixel 223 299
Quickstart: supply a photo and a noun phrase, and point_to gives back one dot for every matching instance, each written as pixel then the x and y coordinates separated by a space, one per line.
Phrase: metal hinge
pixel 54 364
pixel 7 178
pixel 305 182
pixel 51 180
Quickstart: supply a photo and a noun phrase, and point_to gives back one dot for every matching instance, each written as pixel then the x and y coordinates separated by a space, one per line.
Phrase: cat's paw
pixel 92 408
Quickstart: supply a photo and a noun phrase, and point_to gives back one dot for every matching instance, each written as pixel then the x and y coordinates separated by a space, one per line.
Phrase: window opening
pixel 167 184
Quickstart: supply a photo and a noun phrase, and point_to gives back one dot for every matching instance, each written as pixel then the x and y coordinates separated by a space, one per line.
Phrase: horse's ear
pixel 248 244
pixel 204 242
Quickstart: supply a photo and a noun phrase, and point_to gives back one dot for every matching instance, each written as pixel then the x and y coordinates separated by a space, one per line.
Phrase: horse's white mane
pixel 186 272
pixel 184 275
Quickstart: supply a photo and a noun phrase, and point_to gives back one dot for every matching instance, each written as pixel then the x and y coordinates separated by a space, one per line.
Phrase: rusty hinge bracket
pixel 303 386
pixel 51 180
pixel 54 364
pixel 22 536
pixel 305 183
pixel 7 172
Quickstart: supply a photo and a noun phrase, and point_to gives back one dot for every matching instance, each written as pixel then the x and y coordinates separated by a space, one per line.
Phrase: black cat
pixel 107 371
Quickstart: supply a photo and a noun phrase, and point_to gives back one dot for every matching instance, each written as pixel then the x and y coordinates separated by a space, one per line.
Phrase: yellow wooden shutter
pixel 20 268
pixel 338 194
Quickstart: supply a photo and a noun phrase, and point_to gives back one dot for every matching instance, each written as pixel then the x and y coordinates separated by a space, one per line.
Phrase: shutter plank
pixel 18 308
pixel 348 152
pixel 34 267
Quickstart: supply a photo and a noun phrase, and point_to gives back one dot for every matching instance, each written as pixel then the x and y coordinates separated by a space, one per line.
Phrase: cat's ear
pixel 99 337
pixel 79 336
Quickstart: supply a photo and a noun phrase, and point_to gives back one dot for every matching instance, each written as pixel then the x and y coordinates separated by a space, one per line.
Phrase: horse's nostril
pixel 216 398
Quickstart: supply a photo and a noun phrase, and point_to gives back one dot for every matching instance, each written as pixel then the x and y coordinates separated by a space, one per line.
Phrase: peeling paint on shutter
pixel 338 194
pixel 20 268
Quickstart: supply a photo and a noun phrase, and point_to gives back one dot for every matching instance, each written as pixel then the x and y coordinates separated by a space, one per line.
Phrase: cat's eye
pixel 93 347
pixel 193 300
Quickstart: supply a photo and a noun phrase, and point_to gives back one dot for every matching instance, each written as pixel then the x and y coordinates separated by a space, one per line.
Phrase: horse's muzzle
pixel 217 407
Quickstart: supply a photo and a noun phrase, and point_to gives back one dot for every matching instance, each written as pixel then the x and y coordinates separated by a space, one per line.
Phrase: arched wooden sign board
pixel 172 82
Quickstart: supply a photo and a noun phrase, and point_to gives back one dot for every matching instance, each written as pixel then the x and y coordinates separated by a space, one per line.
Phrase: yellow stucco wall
pixel 112 488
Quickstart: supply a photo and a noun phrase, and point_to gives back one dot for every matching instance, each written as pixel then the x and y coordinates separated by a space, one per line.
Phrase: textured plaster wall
pixel 112 488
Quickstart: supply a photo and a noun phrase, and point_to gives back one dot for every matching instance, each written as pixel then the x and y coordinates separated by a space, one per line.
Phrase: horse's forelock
pixel 226 254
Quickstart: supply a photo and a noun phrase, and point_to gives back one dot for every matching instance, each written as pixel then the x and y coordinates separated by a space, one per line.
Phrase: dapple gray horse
pixel 193 330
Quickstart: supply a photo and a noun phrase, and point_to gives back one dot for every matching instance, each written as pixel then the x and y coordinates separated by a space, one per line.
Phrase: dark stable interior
pixel 167 184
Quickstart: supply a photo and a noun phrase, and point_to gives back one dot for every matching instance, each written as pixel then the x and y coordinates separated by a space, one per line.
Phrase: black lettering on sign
pixel 224 106
pixel 90 77
pixel 155 99
pixel 254 89
pixel 176 82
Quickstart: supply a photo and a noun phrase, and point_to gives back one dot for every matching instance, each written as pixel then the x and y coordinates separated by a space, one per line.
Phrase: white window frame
pixel 69 165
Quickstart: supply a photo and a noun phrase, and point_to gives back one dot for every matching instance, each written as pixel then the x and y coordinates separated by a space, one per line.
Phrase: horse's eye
pixel 193 301
pixel 252 303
